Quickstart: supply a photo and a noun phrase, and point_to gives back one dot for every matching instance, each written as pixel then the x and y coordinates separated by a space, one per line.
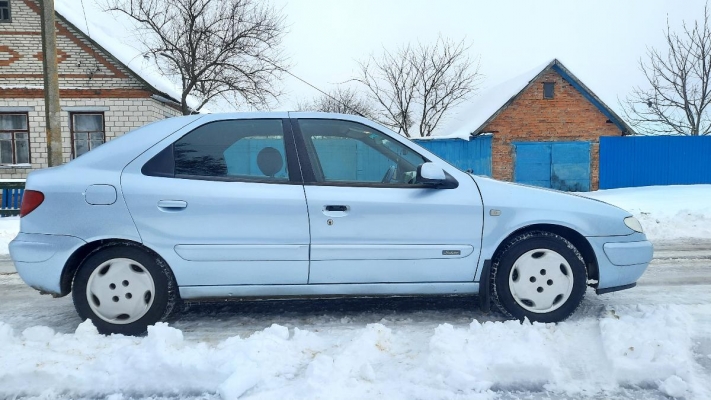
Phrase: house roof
pixel 128 57
pixel 487 106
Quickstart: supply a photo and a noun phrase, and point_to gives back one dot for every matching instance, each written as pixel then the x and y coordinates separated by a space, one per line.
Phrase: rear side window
pixel 250 150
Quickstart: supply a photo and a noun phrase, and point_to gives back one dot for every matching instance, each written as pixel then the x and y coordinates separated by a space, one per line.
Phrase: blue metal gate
pixel 557 165
pixel 473 154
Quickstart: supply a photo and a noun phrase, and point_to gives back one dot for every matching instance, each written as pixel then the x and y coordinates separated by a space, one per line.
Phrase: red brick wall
pixel 566 117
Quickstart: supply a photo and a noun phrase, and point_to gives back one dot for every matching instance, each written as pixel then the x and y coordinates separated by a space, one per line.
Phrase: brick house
pixel 545 126
pixel 101 97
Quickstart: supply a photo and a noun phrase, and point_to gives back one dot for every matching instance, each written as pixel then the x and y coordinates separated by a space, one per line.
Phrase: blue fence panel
pixel 654 160
pixel 474 154
pixel 12 193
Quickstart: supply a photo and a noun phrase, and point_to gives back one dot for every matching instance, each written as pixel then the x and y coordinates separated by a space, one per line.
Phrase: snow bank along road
pixel 650 342
pixel 653 341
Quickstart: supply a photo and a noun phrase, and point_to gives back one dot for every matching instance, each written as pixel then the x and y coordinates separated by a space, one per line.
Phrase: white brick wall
pixel 122 116
pixel 82 65
pixel 78 67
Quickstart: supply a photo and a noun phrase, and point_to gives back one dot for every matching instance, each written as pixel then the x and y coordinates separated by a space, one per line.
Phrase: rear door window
pixel 249 150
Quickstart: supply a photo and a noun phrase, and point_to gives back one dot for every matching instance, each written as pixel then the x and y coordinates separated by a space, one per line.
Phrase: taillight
pixel 31 199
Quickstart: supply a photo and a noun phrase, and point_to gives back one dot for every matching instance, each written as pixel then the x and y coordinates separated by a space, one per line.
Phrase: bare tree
pixel 218 48
pixel 679 92
pixel 416 86
pixel 391 82
pixel 342 100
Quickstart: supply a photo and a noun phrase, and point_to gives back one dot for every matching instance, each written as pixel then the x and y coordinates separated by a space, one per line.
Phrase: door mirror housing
pixel 431 175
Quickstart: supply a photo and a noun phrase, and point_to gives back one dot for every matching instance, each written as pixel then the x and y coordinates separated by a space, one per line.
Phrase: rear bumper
pixel 621 259
pixel 40 259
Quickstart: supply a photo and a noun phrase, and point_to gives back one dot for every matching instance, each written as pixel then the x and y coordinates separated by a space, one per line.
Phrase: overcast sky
pixel 600 41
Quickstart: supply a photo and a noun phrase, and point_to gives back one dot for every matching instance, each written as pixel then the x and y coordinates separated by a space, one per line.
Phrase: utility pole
pixel 51 85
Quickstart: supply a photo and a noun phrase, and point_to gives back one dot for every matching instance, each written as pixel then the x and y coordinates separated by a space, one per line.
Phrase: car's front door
pixel 370 222
pixel 223 203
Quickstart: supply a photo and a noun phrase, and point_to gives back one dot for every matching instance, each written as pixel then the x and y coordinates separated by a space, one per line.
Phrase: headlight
pixel 633 224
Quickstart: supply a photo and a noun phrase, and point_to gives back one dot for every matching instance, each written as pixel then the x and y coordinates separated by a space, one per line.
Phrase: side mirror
pixel 432 175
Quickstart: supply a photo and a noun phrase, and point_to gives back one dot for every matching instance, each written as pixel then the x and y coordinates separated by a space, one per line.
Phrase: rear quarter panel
pixel 65 210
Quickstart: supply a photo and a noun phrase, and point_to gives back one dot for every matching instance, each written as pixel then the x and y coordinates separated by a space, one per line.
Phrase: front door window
pixel 351 153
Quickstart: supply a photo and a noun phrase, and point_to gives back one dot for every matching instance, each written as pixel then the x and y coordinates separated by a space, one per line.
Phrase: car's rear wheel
pixel 540 276
pixel 124 288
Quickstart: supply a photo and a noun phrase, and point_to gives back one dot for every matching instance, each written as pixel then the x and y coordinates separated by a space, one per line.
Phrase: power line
pixel 321 91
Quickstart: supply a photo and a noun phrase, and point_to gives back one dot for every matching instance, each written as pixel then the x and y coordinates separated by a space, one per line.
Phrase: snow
pixel 9 227
pixel 109 34
pixel 457 135
pixel 665 212
pixel 481 108
pixel 649 347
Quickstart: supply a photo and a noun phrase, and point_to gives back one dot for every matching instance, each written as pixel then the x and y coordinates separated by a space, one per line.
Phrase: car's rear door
pixel 369 222
pixel 223 202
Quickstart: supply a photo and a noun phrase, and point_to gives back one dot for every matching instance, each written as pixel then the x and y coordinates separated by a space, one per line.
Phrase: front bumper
pixel 621 259
pixel 40 259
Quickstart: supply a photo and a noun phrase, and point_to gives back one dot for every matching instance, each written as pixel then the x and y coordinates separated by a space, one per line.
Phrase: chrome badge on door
pixel 451 252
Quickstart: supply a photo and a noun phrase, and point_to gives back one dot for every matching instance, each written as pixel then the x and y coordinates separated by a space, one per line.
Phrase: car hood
pixel 522 205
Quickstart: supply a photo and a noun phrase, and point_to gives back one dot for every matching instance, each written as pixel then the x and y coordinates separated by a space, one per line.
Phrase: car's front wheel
pixel 123 288
pixel 540 276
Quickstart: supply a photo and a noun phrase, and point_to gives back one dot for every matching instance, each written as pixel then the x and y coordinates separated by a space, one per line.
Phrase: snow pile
pixel 632 347
pixel 9 226
pixel 666 212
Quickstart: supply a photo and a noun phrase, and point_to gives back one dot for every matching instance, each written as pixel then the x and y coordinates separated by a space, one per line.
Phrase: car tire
pixel 123 288
pixel 538 275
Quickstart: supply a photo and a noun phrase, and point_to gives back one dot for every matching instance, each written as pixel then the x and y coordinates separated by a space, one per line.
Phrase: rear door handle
pixel 172 205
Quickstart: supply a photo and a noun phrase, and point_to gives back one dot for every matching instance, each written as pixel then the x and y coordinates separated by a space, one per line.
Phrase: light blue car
pixel 262 205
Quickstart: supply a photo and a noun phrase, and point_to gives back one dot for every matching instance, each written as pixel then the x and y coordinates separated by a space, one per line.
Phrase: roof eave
pixel 625 128
pixel 116 60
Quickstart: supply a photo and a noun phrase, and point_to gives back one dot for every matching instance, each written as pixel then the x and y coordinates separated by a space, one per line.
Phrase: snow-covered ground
pixel 9 226
pixel 666 212
pixel 650 342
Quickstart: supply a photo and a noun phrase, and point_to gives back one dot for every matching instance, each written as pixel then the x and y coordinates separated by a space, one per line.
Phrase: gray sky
pixel 599 41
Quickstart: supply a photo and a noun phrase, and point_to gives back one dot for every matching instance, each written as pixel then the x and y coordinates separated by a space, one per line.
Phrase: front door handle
pixel 172 205
pixel 337 208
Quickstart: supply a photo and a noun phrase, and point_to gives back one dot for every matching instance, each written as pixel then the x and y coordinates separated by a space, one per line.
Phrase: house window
pixel 5 15
pixel 548 90
pixel 14 139
pixel 87 132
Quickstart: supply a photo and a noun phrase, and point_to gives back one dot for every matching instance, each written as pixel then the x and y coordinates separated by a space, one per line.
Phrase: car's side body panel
pixel 326 290
pixel 394 234
pixel 245 239
pixel 510 207
pixel 390 233
pixel 224 232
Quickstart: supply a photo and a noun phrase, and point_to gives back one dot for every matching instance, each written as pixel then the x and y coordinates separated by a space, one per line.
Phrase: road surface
pixel 679 276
